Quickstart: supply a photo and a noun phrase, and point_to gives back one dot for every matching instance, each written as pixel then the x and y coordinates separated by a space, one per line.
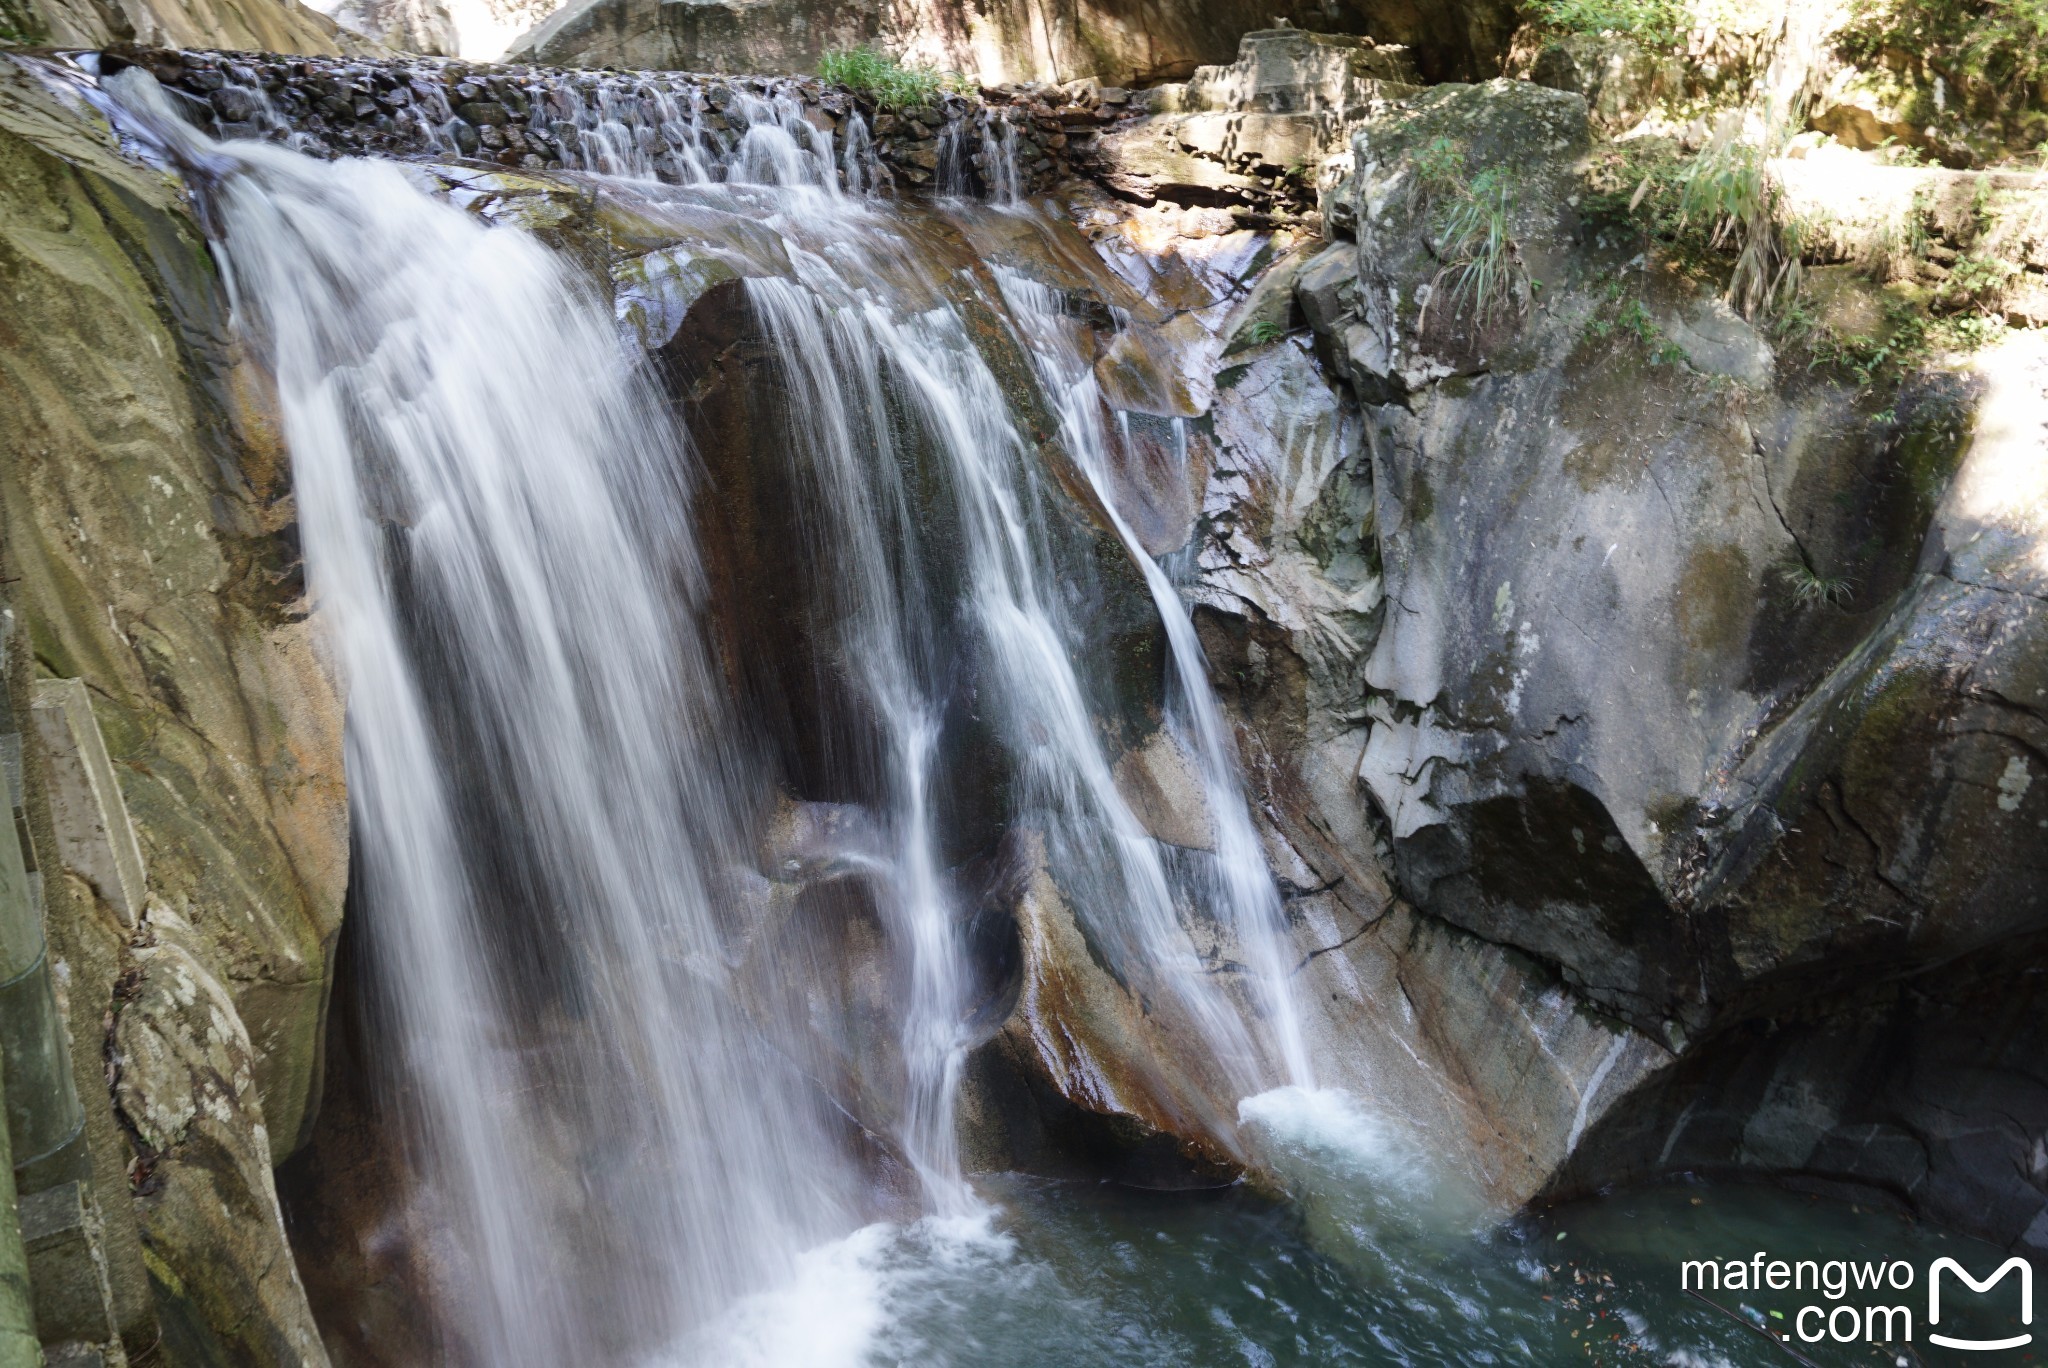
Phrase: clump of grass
pixel 880 77
pixel 1811 589
pixel 1264 331
pixel 1656 23
pixel 1632 318
pixel 1482 272
pixel 1728 191
pixel 1436 173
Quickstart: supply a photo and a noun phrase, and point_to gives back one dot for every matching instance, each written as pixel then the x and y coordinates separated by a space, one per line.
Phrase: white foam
pixel 1335 1134
pixel 854 1301
pixel 1368 1184
pixel 826 1316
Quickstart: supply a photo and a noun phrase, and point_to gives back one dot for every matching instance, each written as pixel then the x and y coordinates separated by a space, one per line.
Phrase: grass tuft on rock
pixel 880 77
pixel 1482 275
pixel 1811 589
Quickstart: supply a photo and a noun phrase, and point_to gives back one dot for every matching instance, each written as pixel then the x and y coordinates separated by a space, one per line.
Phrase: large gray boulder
pixel 1667 695
pixel 150 554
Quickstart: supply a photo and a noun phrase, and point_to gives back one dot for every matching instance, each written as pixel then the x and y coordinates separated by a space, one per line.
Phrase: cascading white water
pixel 860 510
pixel 1239 890
pixel 552 807
pixel 494 516
pixel 1100 855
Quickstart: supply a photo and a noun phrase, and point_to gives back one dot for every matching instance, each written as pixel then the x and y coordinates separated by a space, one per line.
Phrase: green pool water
pixel 1366 1262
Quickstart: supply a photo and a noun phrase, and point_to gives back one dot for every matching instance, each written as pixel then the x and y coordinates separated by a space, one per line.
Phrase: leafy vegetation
pixel 1656 23
pixel 1634 320
pixel 1482 273
pixel 1989 45
pixel 1811 589
pixel 880 77
pixel 1884 353
pixel 1977 282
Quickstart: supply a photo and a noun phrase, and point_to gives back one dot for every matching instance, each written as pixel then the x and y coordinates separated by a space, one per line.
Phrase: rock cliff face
pixel 149 554
pixel 1119 42
pixel 259 25
pixel 1556 615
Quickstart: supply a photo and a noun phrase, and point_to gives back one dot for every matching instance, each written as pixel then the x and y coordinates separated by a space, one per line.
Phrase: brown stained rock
pixel 1086 1062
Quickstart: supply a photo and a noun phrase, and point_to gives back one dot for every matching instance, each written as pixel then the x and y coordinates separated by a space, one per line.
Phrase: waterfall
pixel 495 522
pixel 617 1131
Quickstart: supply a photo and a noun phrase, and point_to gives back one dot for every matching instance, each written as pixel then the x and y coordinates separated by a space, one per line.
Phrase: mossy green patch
pixel 1716 592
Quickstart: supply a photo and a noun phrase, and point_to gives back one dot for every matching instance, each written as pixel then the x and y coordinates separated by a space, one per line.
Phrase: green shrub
pixel 1656 23
pixel 881 78
pixel 1989 46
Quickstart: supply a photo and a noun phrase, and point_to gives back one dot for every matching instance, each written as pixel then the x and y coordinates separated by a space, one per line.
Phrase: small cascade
pixel 1236 886
pixel 999 161
pixel 978 159
pixel 857 163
